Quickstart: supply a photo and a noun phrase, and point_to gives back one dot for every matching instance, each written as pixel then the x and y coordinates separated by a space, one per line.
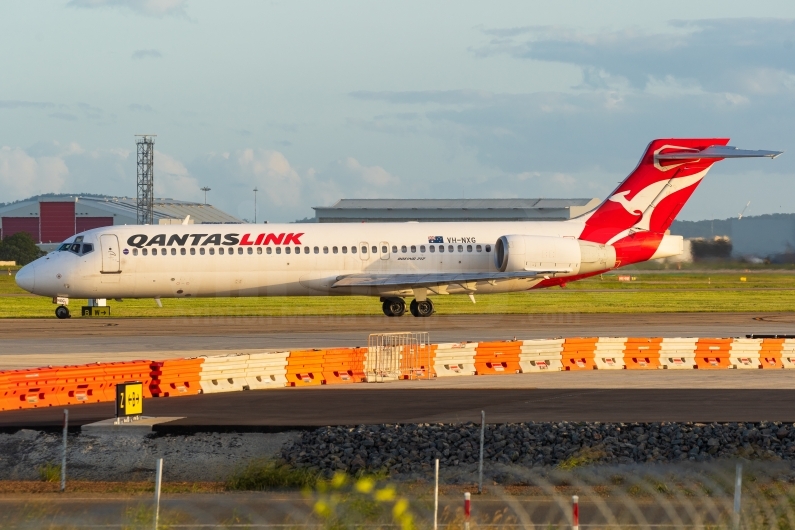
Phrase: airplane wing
pixel 432 279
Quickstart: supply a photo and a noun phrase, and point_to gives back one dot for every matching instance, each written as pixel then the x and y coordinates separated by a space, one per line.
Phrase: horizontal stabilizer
pixel 431 279
pixel 718 151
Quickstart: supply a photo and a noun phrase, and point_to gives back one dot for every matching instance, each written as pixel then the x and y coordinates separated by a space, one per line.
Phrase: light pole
pixel 205 190
pixel 255 204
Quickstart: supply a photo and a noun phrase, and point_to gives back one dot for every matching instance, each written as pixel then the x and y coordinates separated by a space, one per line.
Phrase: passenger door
pixel 110 254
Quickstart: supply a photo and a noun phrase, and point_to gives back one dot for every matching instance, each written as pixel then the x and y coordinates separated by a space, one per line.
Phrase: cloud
pixel 441 97
pixel 146 54
pixel 720 54
pixel 152 8
pixel 374 176
pixel 22 175
pixel 16 104
pixel 173 180
pixel 136 107
pixel 63 116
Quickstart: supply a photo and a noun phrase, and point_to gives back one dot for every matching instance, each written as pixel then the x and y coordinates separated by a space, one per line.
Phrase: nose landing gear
pixel 62 312
pixel 421 309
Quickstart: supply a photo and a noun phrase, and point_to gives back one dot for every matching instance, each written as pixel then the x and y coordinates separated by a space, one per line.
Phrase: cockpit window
pixel 65 246
pixel 87 247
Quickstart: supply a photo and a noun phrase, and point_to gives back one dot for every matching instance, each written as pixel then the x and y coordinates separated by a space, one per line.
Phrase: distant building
pixel 51 219
pixel 759 235
pixel 434 210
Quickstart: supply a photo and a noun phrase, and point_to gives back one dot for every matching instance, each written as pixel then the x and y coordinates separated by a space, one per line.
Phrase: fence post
pixel 467 510
pixel 436 498
pixel 480 460
pixel 158 482
pixel 738 487
pixel 63 455
pixel 575 512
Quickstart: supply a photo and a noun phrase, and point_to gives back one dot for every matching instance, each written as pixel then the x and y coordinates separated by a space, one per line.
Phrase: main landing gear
pixel 62 312
pixel 396 307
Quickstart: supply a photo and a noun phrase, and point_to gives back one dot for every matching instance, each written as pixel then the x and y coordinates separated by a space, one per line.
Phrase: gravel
pixel 411 449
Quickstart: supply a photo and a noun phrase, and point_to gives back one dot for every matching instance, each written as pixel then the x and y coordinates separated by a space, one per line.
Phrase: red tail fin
pixel 654 193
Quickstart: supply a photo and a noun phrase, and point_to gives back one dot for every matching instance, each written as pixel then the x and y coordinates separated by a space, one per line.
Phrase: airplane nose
pixel 26 277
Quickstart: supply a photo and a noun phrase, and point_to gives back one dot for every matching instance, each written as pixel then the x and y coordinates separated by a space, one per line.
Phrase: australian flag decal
pixel 435 239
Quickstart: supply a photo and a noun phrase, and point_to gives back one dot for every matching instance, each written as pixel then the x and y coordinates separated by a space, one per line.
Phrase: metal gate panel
pixel 395 356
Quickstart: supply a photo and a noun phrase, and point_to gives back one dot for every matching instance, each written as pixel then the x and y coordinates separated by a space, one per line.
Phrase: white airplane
pixel 392 261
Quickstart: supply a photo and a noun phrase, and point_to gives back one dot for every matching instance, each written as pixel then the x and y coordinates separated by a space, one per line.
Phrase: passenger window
pixel 306 250
pixel 478 248
pixel 286 250
pixel 144 251
pixel 278 250
pixel 441 248
pixel 374 249
pixel 450 248
pixel 422 248
pixel 269 250
pixel 173 252
pixel 220 251
pixel 251 250
pixel 325 250
pixel 488 248
pixel 344 250
pixel 432 248
pixel 297 250
pixel 469 248
pixel 182 251
pixel 403 249
pixel 259 250
pixel 353 250
pixel 364 249
pixel 317 250
pixel 201 251
pixel 334 250
pixel 394 249
pixel 154 252
pixel 212 251
pixel 135 252
pixel 192 251
pixel 384 250
pixel 88 247
pixel 413 249
pixel 460 248
pixel 239 250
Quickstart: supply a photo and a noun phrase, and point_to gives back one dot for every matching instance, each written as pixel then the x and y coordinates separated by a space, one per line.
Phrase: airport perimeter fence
pixel 410 357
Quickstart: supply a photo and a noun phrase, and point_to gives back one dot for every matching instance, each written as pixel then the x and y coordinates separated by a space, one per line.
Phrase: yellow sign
pixel 129 399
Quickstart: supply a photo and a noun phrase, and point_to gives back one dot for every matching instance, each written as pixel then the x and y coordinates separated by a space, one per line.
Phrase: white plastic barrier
pixel 678 353
pixel 744 354
pixel 266 370
pixel 609 353
pixel 788 354
pixel 223 373
pixel 541 355
pixel 454 358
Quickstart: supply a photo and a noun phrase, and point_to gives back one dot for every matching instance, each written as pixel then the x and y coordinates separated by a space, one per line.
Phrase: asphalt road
pixel 367 404
pixel 40 342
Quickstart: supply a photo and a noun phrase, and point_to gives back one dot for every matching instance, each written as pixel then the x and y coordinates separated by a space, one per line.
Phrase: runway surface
pixel 589 396
pixel 41 342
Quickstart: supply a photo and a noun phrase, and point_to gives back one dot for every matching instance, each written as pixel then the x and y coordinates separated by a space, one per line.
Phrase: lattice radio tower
pixel 146 178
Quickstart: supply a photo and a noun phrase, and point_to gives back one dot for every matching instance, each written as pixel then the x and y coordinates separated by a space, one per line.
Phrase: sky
pixel 312 102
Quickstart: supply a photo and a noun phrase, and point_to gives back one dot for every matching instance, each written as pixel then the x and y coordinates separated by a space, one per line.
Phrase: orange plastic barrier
pixel 305 367
pixel 176 377
pixel 642 353
pixel 713 354
pixel 126 371
pixel 579 353
pixel 343 365
pixel 29 388
pixel 770 354
pixel 81 384
pixel 500 357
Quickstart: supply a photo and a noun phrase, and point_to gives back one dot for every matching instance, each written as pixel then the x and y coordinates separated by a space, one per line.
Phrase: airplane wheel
pixel 413 308
pixel 394 307
pixel 424 309
pixel 62 312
